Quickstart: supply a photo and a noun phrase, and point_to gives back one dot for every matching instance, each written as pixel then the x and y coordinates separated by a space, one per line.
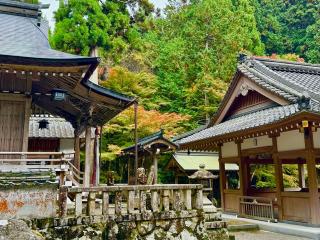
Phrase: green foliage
pixel 194 52
pixel 289 26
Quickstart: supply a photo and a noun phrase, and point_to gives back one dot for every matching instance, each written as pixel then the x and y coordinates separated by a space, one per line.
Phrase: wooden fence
pixel 257 207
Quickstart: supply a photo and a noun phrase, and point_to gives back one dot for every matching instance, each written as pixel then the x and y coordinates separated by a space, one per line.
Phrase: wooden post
pixel 96 162
pixel 155 165
pixel 278 175
pixel 136 140
pixel 77 149
pixel 312 177
pixel 222 173
pixel 302 180
pixel 88 159
pixel 243 169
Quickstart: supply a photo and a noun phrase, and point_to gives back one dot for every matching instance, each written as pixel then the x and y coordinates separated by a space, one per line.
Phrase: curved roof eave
pixel 80 61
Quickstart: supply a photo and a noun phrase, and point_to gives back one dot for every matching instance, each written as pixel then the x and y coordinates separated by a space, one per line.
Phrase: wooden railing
pixel 127 200
pixel 32 160
pixel 257 207
pixel 56 161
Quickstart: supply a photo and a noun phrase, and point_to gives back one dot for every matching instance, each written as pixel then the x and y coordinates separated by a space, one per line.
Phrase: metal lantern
pixel 59 94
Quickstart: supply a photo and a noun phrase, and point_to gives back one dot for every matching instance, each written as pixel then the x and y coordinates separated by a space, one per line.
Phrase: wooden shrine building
pixel 149 149
pixel 270 116
pixel 36 79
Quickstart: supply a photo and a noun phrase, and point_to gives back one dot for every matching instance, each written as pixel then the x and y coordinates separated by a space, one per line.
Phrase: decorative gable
pixel 246 96
pixel 248 101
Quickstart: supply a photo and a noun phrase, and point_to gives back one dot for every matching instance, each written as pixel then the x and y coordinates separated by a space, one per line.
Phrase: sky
pixel 54 4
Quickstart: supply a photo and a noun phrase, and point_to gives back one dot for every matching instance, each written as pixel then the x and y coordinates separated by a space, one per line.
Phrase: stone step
pixel 211 217
pixel 215 225
pixel 243 227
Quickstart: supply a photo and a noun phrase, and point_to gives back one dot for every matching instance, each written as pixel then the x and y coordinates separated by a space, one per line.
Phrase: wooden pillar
pixel 302 180
pixel 27 115
pixel 88 158
pixel 155 165
pixel 242 172
pixel 77 149
pixel 96 159
pixel 136 141
pixel 222 174
pixel 312 177
pixel 278 175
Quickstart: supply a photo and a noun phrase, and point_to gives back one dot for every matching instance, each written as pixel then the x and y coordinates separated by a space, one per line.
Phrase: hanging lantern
pixel 59 94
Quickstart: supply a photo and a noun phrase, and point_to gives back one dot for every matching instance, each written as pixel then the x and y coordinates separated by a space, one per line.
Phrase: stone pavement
pixel 263 235
pixel 282 228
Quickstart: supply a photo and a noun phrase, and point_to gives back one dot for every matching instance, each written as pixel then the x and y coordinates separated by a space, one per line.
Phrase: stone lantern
pixel 205 178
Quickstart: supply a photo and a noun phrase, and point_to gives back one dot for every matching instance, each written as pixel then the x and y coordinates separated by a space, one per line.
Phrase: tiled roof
pixel 57 128
pixel 252 120
pixel 148 140
pixel 21 37
pixel 289 80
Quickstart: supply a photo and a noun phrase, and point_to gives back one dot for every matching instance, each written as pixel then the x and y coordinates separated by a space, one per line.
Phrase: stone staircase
pixel 213 216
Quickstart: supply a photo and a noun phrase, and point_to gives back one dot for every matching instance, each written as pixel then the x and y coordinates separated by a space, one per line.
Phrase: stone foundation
pixel 138 227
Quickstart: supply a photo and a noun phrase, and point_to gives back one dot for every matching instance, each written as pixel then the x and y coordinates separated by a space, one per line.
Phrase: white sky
pixel 54 4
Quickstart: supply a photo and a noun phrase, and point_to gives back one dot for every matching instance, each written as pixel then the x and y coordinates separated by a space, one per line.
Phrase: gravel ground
pixel 262 235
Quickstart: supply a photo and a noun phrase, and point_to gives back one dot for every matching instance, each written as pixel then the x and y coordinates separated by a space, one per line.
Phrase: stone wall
pixel 173 227
pixel 28 200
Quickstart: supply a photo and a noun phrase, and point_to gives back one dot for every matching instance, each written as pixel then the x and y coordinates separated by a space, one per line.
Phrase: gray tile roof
pixel 252 120
pixel 289 80
pixel 21 37
pixel 57 128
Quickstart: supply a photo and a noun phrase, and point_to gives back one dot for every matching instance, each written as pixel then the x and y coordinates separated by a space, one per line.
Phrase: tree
pixel 284 25
pixel 194 52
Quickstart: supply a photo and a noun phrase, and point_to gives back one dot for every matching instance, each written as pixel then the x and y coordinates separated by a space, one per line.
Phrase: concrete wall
pixel 28 201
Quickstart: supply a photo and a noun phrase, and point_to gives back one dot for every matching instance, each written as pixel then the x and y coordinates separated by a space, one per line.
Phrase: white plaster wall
pixel 316 139
pixel 291 140
pixel 262 141
pixel 67 145
pixel 229 149
pixel 31 202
